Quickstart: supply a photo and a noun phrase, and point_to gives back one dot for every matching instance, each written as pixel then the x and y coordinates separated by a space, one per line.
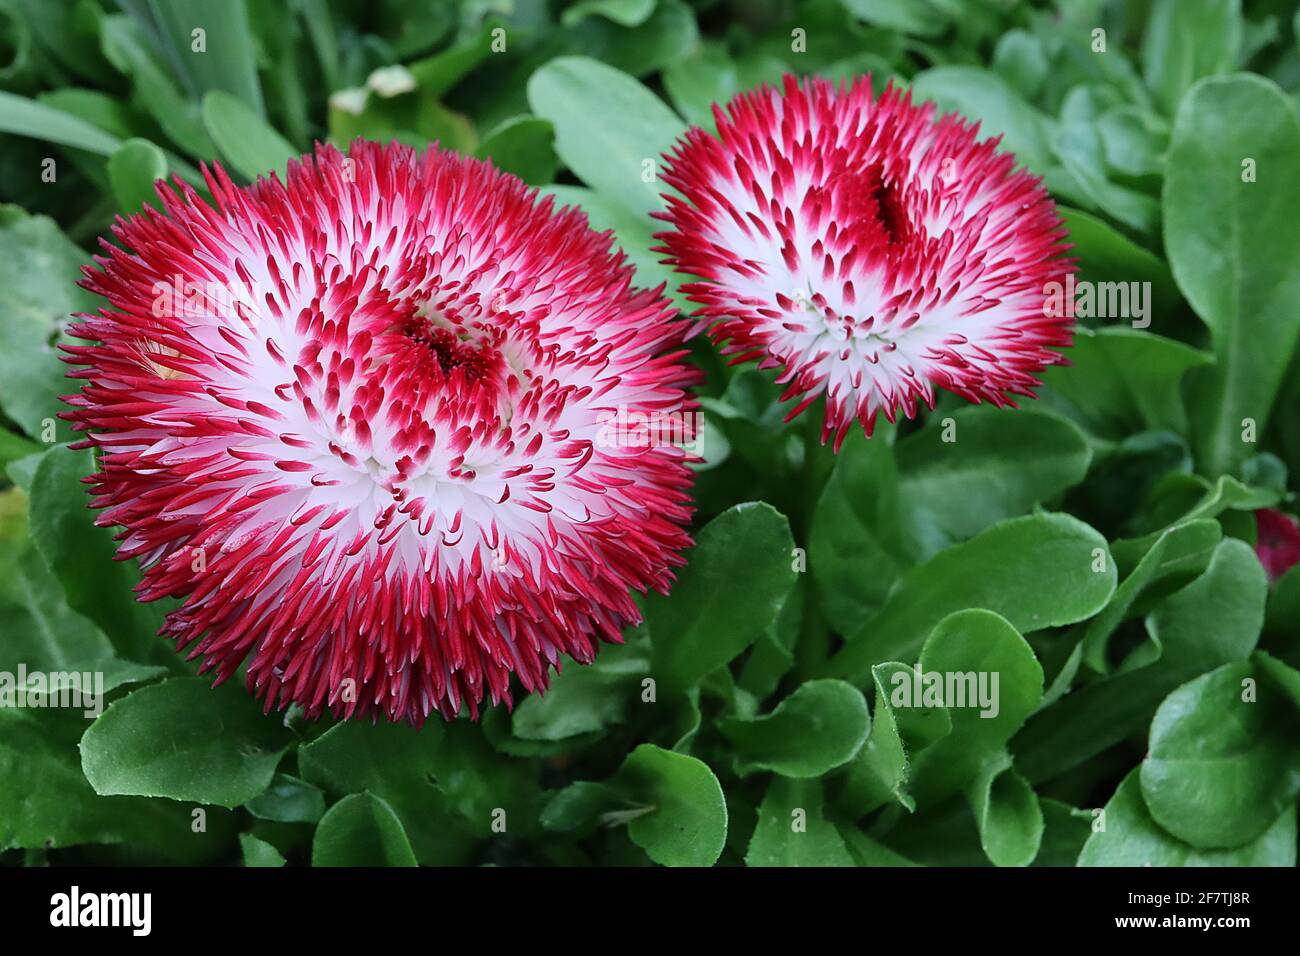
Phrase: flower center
pixel 466 353
pixel 454 350
pixel 890 212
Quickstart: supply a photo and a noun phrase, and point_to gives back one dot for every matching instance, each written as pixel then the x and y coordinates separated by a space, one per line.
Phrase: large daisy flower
pixel 867 251
pixel 359 422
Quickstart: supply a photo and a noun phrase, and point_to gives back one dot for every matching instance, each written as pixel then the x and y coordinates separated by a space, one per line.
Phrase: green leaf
pixel 1065 831
pixel 524 146
pixel 1180 550
pixel 1042 570
pixel 39 270
pixel 628 13
pixel 1078 145
pixel 361 830
pixel 1020 58
pixel 37 628
pixel 1220 768
pixel 1008 815
pixel 25 117
pixel 244 139
pixel 855 546
pixel 1186 40
pixel 396 763
pixel 1210 622
pixel 968 651
pixel 585 698
pixel 1235 250
pixel 1107 255
pixel 916 17
pixel 288 800
pixel 791 830
pixel 184 740
pixel 980 95
pixel 486 791
pixel 438 73
pixel 882 771
pixel 686 822
pixel 992 464
pixel 868 852
pixel 1132 838
pixel 258 852
pixel 1168 504
pixel 81 556
pixel 732 589
pixel 609 129
pixel 132 171
pixel 226 59
pixel 819 727
pixel 1122 380
pixel 578 808
pixel 709 75
pixel 130 51
pixel 632 235
pixel 46 802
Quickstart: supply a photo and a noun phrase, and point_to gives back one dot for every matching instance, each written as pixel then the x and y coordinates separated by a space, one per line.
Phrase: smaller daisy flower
pixel 866 250
pixel 1278 543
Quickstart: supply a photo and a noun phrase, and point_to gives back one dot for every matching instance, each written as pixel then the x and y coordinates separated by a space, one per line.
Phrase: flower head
pixel 353 421
pixel 866 250
pixel 1277 544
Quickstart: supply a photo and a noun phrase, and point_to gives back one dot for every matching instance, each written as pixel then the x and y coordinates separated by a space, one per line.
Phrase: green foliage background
pixel 1094 549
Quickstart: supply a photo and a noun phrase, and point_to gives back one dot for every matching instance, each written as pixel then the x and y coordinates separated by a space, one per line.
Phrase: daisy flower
pixel 867 251
pixel 358 423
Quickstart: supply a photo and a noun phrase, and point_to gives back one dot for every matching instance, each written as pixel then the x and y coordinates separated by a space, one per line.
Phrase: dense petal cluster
pixel 358 422
pixel 1277 543
pixel 866 250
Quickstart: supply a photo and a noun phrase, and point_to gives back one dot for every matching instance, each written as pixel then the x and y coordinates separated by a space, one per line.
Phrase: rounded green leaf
pixel 1042 570
pixel 978 94
pixel 1232 230
pixel 257 852
pixel 81 555
pixel 1008 815
pixel 524 146
pixel 687 820
pixel 288 800
pixel 1128 836
pixel 857 524
pixel 39 269
pixel 609 129
pixel 361 830
pixel 1223 759
pixel 817 728
pixel 991 465
pixel 731 590
pixel 792 831
pixel 1120 380
pixel 244 139
pixel 185 740
pixel 584 698
pixel 989 681
pixel 1186 40
pixel 132 171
